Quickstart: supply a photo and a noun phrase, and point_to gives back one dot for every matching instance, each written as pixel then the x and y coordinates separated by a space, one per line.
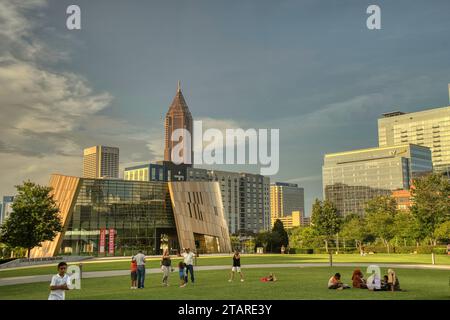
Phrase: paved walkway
pixel 115 273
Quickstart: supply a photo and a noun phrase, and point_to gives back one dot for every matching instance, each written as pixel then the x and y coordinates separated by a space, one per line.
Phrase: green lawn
pixel 293 283
pixel 246 259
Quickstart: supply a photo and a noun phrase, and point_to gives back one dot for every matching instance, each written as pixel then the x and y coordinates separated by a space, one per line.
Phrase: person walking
pixel 166 265
pixel 140 261
pixel 236 266
pixel 188 256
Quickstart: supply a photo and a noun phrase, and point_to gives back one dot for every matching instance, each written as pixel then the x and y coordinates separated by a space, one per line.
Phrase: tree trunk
pixel 360 248
pixel 326 246
pixel 28 253
pixel 337 242
pixel 386 243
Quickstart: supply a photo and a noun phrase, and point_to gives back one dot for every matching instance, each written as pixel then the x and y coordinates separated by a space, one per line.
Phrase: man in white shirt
pixel 60 283
pixel 189 262
pixel 140 262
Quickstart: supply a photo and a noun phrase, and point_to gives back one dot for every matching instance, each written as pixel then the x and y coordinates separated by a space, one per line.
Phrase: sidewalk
pixel 115 273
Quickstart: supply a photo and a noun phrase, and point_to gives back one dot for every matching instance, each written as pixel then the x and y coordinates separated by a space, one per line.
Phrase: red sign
pixel 111 241
pixel 101 246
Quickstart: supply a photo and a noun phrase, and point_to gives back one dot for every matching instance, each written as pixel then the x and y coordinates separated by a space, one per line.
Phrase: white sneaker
pixel 229 280
pixel 242 280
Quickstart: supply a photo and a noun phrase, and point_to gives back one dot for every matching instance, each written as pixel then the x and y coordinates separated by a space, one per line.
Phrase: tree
pixel 325 220
pixel 235 242
pixel 431 203
pixel 279 236
pixel 355 229
pixel 442 231
pixel 34 218
pixel 305 237
pixel 406 228
pixel 263 239
pixel 380 214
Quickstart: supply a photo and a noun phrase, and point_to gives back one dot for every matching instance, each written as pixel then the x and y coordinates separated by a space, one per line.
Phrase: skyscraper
pixel 352 178
pixel 178 117
pixel 284 199
pixel 429 128
pixel 101 162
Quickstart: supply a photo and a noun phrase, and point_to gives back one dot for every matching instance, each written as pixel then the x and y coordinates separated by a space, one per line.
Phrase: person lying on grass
pixel 270 278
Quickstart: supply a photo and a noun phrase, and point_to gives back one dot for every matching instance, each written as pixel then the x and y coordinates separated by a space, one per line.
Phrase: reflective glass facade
pixel 116 217
pixel 430 128
pixel 352 178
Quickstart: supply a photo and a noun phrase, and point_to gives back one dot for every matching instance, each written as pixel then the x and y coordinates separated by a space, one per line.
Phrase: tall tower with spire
pixel 178 117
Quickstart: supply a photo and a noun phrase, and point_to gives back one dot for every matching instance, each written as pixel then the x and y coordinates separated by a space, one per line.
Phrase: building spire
pixel 179 86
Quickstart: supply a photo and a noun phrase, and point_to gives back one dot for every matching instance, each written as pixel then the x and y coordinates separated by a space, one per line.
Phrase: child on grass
pixel 133 273
pixel 182 272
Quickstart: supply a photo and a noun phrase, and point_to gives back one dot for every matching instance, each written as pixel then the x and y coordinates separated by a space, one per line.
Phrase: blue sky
pixel 310 68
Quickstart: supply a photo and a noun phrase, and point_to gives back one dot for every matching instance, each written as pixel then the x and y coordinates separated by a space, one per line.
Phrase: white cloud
pixel 49 116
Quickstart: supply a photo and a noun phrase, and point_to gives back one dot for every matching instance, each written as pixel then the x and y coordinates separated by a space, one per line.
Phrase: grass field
pixel 246 259
pixel 293 283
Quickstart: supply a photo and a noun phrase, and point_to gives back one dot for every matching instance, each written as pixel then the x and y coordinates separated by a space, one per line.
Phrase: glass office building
pixel 352 178
pixel 111 217
pixel 119 217
pixel 429 128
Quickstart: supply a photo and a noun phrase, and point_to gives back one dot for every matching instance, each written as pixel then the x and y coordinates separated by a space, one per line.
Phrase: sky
pixel 309 68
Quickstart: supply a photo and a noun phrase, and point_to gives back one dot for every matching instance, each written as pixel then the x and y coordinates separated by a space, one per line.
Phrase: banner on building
pixel 101 246
pixel 111 241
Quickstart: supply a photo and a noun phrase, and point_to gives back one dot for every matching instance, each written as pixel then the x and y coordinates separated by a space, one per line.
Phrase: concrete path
pixel 115 273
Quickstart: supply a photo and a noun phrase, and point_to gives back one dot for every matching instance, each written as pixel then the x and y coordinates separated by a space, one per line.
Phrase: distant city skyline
pixel 310 68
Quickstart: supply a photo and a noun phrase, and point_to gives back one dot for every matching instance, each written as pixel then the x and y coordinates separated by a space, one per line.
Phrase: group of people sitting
pixel 390 282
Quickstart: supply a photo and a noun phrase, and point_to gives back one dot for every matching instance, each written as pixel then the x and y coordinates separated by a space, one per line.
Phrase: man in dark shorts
pixel 236 266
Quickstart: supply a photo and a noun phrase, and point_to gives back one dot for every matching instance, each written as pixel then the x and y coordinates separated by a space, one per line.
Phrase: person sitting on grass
pixel 374 282
pixel 358 280
pixel 336 283
pixel 181 270
pixel 270 278
pixel 60 283
pixel 393 282
pixel 385 283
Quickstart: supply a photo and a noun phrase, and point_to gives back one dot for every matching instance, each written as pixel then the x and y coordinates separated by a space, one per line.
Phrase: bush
pixel 440 250
pixel 6 260
pixel 301 250
pixel 374 249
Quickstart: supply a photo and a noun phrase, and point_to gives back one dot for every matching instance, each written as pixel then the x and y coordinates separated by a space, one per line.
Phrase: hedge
pixel 374 249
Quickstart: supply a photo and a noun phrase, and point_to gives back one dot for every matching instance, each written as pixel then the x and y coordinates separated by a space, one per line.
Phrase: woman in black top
pixel 236 266
pixel 166 265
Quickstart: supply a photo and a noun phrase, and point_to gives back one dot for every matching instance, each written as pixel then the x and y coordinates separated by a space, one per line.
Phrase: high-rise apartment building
pixel 352 178
pixel 429 128
pixel 178 117
pixel 245 198
pixel 284 199
pixel 101 162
